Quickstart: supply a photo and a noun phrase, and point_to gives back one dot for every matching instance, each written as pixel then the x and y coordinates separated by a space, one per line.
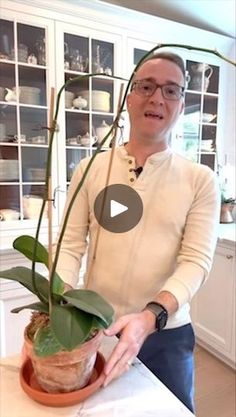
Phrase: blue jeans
pixel 169 355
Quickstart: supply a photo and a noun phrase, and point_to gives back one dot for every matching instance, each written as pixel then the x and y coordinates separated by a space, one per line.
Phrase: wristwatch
pixel 160 312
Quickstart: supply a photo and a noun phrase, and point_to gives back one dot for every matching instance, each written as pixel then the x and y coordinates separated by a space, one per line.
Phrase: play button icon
pixel 118 208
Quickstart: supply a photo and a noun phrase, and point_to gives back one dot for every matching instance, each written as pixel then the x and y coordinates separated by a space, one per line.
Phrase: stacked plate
pixel 37 174
pixel 30 95
pixel 100 100
pixel 69 96
pixel 9 170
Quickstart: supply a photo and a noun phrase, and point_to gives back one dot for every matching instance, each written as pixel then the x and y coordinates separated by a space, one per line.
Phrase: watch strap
pixel 160 312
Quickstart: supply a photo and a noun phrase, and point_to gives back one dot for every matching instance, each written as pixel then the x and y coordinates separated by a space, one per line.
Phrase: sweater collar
pixel 155 158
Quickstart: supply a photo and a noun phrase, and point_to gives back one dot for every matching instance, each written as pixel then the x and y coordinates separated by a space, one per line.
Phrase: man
pixel 150 273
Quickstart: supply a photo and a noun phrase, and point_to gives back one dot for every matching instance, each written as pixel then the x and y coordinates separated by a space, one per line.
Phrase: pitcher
pixel 201 70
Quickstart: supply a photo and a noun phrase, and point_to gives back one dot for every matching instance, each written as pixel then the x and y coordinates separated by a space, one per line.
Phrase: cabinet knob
pixel 229 256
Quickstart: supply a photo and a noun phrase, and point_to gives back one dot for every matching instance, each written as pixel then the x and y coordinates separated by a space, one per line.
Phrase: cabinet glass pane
pixel 200 75
pixel 102 57
pixel 210 104
pixel 9 200
pixel 7 82
pixel 32 86
pixel 102 95
pixel 8 125
pixel 33 164
pixel 138 54
pixel 31 44
pixel 6 40
pixel 77 125
pixel 76 53
pixel 208 159
pixel 73 157
pixel 9 164
pixel 33 124
pixel 32 201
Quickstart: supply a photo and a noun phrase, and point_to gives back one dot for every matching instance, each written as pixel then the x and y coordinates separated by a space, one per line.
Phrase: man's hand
pixel 134 329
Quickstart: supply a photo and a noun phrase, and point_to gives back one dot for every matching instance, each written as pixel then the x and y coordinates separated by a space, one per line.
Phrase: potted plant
pixel 64 319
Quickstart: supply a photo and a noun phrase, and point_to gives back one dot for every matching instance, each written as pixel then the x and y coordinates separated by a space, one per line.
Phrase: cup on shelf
pixel 38 139
pixel 20 138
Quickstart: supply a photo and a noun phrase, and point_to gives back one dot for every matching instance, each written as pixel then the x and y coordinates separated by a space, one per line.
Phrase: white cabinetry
pixel 213 308
pixel 12 326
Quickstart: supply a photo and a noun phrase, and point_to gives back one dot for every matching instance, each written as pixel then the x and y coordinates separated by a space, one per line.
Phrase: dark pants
pixel 169 355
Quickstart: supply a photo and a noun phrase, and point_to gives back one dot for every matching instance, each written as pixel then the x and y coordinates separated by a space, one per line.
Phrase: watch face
pixel 160 313
pixel 161 320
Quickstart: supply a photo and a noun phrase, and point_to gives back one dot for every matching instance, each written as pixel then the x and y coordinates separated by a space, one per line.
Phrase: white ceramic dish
pixel 100 100
pixel 9 170
pixel 37 174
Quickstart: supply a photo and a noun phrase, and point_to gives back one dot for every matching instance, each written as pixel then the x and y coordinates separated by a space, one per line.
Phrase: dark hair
pixel 170 56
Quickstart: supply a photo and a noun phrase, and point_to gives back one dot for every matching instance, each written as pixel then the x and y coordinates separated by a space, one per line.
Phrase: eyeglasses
pixel 146 88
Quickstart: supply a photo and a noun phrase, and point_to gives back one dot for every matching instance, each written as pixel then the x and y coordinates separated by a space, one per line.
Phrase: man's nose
pixel 157 95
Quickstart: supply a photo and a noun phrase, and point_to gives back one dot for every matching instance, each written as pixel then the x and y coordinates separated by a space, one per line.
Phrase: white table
pixel 137 393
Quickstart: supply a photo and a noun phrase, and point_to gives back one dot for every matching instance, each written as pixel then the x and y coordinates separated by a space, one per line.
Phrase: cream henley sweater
pixel 172 246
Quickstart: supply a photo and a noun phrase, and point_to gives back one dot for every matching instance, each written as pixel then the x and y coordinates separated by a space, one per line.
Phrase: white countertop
pixel 137 393
pixel 227 233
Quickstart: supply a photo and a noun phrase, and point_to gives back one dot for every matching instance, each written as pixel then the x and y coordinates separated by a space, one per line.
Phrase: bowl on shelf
pixel 37 174
pixel 9 170
pixel 29 95
pixel 208 117
pixel 32 205
pixel 206 145
pixel 100 100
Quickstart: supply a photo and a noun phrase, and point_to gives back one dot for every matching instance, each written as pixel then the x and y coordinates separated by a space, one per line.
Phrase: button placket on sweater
pixel 131 175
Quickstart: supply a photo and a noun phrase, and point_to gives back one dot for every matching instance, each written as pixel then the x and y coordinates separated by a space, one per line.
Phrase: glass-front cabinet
pixel 34 58
pixel 89 102
pixel 198 140
pixel 24 114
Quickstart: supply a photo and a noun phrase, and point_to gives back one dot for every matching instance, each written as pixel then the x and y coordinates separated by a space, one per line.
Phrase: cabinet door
pixel 24 118
pixel 213 306
pixel 13 325
pixel 89 104
pixel 196 132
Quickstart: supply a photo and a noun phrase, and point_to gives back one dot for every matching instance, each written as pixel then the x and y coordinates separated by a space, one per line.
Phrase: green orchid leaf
pixel 45 343
pixel 92 303
pixel 70 325
pixel 98 323
pixel 25 245
pixel 43 307
pixel 23 275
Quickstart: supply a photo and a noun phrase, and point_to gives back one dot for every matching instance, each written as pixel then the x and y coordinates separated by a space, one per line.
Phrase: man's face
pixel 154 117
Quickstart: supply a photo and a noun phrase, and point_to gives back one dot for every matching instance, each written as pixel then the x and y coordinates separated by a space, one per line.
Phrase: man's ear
pixel 128 100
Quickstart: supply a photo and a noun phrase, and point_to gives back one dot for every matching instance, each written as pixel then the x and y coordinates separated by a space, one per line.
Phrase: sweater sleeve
pixel 199 240
pixel 74 243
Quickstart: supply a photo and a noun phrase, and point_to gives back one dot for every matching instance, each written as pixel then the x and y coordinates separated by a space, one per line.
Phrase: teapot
pixel 80 103
pixel 85 140
pixel 199 70
pixel 102 131
pixel 11 95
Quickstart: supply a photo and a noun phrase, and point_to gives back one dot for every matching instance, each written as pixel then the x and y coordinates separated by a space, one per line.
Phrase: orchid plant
pixel 80 310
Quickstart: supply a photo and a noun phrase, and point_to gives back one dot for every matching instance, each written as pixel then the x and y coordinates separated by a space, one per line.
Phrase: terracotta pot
pixel 64 371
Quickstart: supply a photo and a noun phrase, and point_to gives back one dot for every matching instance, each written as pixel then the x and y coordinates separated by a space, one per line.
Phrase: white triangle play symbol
pixel 117 208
